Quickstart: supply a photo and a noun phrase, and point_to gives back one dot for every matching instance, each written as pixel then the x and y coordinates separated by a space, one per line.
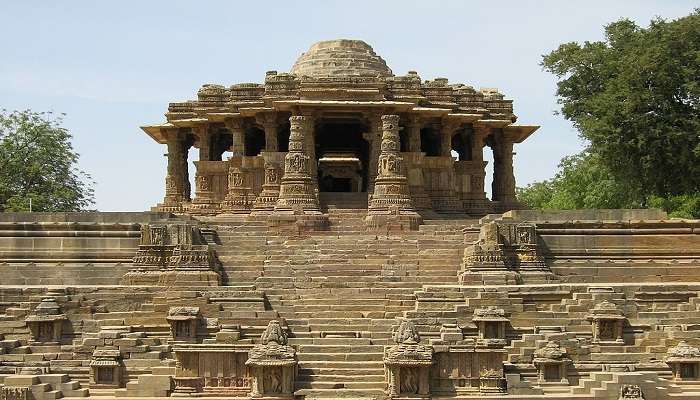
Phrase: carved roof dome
pixel 340 57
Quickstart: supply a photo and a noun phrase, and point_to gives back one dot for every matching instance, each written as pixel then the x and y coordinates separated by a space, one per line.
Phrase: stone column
pixel 237 128
pixel 297 188
pixel 477 202
pixel 204 200
pixel 414 125
pixel 175 180
pixel 310 137
pixel 373 138
pixel 269 124
pixel 508 180
pixel 446 131
pixel 391 206
pixel 503 187
pixel 204 138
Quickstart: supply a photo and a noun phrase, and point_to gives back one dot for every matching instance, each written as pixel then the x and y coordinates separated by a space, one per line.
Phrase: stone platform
pixel 586 305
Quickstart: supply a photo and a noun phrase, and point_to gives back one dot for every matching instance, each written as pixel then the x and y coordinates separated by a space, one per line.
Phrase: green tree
pixel 37 162
pixel 581 181
pixel 635 97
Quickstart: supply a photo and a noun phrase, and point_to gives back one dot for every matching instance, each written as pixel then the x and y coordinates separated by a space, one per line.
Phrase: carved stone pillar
pixel 204 140
pixel 269 124
pixel 176 187
pixel 414 125
pixel 373 138
pixel 476 200
pixel 503 188
pixel 310 146
pixel 237 128
pixel 298 203
pixel 204 196
pixel 390 206
pixel 446 132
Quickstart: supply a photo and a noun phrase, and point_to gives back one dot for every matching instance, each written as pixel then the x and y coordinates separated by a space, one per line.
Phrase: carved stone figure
pixel 272 363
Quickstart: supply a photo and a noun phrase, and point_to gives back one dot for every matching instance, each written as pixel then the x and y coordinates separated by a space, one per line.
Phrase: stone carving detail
pixel 171 253
pixel 407 364
pixel 506 252
pixel 15 393
pixel 273 364
pixel 265 202
pixel 631 392
pixel 238 199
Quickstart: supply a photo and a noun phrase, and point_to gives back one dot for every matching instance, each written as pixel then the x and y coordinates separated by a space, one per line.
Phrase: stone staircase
pixel 341 291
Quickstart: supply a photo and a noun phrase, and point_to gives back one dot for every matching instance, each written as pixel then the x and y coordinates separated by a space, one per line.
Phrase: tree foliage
pixel 37 162
pixel 577 172
pixel 636 98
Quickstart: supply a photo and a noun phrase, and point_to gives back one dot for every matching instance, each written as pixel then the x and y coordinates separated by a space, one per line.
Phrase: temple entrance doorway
pixel 342 156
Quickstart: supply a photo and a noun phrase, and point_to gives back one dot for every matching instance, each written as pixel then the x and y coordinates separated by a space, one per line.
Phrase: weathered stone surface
pixel 269 284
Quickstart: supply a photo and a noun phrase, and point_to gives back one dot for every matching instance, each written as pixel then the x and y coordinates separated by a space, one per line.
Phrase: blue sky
pixel 113 66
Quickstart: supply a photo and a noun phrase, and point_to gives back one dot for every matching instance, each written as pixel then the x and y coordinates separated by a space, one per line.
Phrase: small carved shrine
pixel 491 322
pixel 272 363
pixel 46 322
pixel 684 361
pixel 106 369
pixel 211 370
pixel 408 364
pixel 173 253
pixel 552 364
pixel 183 323
pixel 608 322
pixel 505 253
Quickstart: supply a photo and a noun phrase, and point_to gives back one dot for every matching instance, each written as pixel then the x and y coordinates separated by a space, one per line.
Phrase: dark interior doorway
pixel 338 143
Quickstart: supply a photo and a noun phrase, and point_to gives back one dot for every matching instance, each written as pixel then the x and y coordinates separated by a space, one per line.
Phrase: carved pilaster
pixel 265 202
pixel 238 198
pixel 391 204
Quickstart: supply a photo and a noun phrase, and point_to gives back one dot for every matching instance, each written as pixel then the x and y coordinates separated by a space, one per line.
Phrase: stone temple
pixel 338 243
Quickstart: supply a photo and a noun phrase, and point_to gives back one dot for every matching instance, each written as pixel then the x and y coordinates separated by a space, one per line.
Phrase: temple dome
pixel 340 57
